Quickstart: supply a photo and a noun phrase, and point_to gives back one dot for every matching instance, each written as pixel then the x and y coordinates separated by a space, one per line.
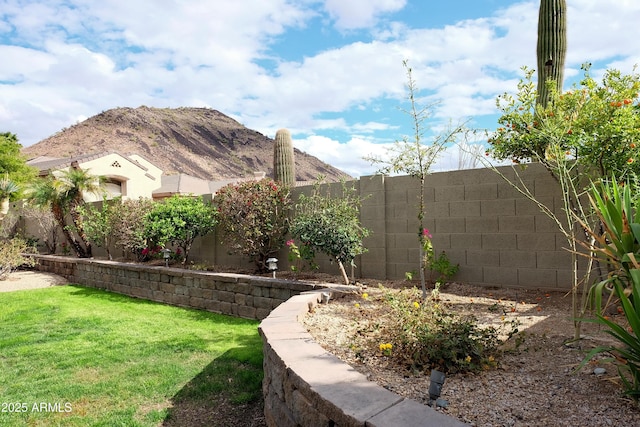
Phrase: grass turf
pixel 78 356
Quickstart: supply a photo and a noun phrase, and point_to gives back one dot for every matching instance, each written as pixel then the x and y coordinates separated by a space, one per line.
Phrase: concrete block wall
pixel 239 295
pixel 306 386
pixel 494 233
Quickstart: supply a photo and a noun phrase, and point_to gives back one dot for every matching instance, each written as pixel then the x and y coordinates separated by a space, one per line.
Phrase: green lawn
pixel 77 356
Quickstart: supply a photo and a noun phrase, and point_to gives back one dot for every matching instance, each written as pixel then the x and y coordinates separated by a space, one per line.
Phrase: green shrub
pixel 178 220
pixel 425 334
pixel 330 225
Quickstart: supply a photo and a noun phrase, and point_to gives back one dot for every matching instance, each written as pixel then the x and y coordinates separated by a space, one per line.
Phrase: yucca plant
pixel 7 187
pixel 619 245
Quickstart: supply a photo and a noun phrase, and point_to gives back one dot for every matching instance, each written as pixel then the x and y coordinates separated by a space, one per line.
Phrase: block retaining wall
pixel 239 295
pixel 304 385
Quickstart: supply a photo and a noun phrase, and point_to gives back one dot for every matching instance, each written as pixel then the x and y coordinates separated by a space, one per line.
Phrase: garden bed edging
pixel 304 385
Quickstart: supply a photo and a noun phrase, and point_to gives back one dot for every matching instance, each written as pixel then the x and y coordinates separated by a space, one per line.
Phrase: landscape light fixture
pixel 166 254
pixel 272 265
pixel 435 388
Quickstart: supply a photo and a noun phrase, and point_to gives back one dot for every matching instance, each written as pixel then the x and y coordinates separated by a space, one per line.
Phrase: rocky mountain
pixel 201 142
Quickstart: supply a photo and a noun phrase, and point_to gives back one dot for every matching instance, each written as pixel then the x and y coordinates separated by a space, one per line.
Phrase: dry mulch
pixel 536 381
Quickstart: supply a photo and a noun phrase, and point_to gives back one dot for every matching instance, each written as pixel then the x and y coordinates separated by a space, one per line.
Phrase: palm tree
pixel 63 194
pixel 76 183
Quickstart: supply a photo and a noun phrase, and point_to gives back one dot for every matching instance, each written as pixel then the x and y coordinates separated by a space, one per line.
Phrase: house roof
pixel 170 184
pixel 46 164
pixel 187 184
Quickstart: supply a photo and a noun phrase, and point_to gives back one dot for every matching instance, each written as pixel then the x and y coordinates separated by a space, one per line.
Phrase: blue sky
pixel 330 71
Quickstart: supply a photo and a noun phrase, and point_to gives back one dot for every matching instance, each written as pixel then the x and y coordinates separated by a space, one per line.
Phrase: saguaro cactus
pixel 284 170
pixel 552 45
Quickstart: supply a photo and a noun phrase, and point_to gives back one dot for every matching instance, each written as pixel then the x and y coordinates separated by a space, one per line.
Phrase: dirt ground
pixel 27 279
pixel 536 382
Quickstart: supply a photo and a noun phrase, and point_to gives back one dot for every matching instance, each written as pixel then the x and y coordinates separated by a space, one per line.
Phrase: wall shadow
pixel 226 393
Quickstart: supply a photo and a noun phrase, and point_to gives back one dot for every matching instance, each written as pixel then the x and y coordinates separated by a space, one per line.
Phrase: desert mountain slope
pixel 201 142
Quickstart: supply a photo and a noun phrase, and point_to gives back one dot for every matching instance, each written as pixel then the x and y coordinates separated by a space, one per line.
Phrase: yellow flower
pixel 436 306
pixel 365 295
pixel 386 348
pixel 467 359
pixel 357 305
pixel 416 304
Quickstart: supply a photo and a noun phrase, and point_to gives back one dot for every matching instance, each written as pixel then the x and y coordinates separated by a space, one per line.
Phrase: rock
pixel 442 403
pixel 599 371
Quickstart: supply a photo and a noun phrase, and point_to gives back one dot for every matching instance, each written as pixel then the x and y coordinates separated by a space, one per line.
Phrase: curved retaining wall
pixel 304 385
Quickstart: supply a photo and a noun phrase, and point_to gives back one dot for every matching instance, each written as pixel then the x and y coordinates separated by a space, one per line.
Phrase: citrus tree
pixel 178 220
pixel 330 225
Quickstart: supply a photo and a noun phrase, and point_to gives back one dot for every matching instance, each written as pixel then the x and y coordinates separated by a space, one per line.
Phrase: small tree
pixel 178 220
pixel 99 223
pixel 254 218
pixel 581 135
pixel 129 226
pixel 412 157
pixel 46 223
pixel 331 225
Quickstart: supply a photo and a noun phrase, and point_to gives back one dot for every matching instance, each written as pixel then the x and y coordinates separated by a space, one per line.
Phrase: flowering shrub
pixel 425 334
pixel 254 218
pixel 596 124
pixel 129 227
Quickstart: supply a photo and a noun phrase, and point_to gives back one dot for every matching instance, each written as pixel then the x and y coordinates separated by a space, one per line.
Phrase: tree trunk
pixel 344 273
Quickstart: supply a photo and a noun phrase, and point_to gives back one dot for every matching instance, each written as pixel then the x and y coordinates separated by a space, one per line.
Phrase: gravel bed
pixel 535 382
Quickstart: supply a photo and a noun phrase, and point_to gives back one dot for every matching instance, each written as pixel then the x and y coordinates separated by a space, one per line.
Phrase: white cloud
pixel 347 156
pixel 353 14
pixel 64 59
